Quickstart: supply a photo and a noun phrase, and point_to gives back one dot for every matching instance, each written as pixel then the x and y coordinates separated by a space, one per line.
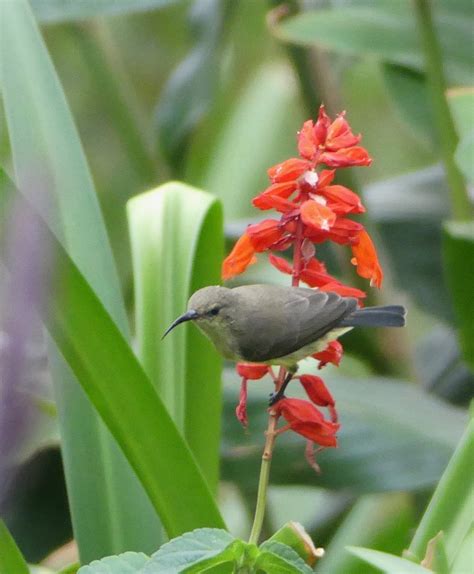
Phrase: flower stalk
pixel 448 139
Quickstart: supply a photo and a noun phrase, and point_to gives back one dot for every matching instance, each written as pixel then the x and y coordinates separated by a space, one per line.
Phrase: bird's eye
pixel 214 311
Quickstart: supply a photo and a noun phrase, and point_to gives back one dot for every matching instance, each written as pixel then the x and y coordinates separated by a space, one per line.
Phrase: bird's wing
pixel 297 319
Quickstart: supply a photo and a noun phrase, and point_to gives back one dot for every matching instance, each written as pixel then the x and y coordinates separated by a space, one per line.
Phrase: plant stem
pixel 263 480
pixel 448 139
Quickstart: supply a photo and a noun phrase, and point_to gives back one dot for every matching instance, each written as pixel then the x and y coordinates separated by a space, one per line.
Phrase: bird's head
pixel 208 307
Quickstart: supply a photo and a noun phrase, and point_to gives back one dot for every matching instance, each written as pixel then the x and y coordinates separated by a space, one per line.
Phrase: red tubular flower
pixel 241 256
pixel 319 393
pixel 280 264
pixel 350 157
pixel 317 216
pixel 339 135
pixel 241 408
pixel 289 170
pixel 331 354
pixel 252 371
pixel 344 232
pixel 365 257
pixel 305 419
pixel 264 234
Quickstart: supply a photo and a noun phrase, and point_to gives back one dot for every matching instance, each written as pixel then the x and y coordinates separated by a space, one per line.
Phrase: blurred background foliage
pixel 211 93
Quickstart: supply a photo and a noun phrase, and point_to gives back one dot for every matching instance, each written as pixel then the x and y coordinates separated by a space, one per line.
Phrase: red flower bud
pixel 252 371
pixel 331 354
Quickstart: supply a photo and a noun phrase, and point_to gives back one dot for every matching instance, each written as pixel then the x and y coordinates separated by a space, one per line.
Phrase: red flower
pixel 241 408
pixel 319 393
pixel 304 418
pixel 331 354
pixel 289 170
pixel 344 232
pixel 241 256
pixel 317 216
pixel 264 234
pixel 252 371
pixel 333 144
pixel 365 257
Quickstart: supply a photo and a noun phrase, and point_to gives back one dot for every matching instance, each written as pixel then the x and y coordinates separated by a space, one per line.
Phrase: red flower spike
pixel 252 371
pixel 289 170
pixel 241 408
pixel 303 418
pixel 317 390
pixel 353 156
pixel 317 216
pixel 280 264
pixel 365 257
pixel 331 354
pixel 241 256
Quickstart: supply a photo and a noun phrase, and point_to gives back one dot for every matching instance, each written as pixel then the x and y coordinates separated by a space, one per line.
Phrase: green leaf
pixel 191 89
pixel 255 118
pixel 202 547
pixel 461 104
pixel 294 535
pixel 177 246
pixel 381 521
pixel 459 261
pixel 387 562
pixel 126 563
pixel 277 558
pixel 378 416
pixel 11 559
pixel 51 170
pixel 117 386
pixel 387 30
pixel 65 10
pixel 450 509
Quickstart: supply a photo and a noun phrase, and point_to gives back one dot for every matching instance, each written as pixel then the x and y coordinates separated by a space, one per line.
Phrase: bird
pixel 277 325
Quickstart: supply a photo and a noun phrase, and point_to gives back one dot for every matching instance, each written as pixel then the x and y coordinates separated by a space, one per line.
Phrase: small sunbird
pixel 278 325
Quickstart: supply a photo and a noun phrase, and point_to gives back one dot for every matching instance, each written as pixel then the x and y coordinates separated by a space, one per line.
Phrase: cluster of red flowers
pixel 313 210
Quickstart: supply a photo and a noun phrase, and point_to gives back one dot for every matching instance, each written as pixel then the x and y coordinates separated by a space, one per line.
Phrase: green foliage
pixel 387 562
pixel 177 245
pixel 48 156
pixel 459 260
pixel 117 386
pixel 11 559
pixel 126 563
pixel 63 10
pixel 387 30
pixel 461 103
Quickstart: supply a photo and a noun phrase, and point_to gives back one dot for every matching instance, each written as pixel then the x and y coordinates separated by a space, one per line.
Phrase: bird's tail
pixel 386 316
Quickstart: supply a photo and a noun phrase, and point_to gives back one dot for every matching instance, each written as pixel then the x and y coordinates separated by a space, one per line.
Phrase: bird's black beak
pixel 188 316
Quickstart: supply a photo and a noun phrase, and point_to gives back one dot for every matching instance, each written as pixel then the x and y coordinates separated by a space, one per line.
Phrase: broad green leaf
pixel 65 10
pixel 277 558
pixel 126 563
pixel 117 386
pixel 11 559
pixel 294 535
pixel 191 89
pixel 459 263
pixel 390 438
pixel 450 509
pixel 51 170
pixel 206 547
pixel 461 103
pixel 177 246
pixel 258 133
pixel 382 521
pixel 387 562
pixel 387 30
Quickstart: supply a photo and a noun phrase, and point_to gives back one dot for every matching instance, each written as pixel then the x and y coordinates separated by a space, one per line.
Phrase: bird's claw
pixel 274 398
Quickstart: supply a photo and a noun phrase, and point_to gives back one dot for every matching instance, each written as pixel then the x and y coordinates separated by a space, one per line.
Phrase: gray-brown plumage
pixel 278 325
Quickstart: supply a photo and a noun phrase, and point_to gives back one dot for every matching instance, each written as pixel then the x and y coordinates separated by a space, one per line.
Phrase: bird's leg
pixel 275 397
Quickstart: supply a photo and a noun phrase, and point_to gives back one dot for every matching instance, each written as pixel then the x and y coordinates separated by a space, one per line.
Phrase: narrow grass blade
pixel 106 367
pixel 11 559
pixel 450 509
pixel 177 246
pixel 47 152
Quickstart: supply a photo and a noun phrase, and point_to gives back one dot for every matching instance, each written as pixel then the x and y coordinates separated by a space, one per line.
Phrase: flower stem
pixel 263 481
pixel 448 138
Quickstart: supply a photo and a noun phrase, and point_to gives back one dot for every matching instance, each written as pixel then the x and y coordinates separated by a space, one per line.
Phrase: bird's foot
pixel 275 397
